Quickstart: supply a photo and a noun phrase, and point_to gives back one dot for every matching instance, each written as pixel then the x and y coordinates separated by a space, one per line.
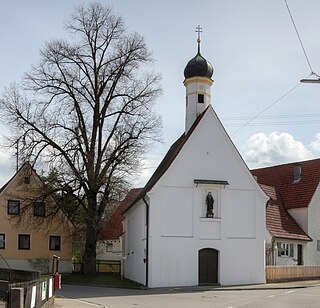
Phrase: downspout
pixel 147 241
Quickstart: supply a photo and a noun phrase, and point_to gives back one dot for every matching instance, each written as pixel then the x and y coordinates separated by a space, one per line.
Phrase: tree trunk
pixel 89 257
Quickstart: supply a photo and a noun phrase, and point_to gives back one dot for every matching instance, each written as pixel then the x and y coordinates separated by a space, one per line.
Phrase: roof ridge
pixel 287 164
pixel 168 159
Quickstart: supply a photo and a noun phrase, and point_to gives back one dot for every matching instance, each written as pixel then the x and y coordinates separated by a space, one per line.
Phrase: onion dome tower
pixel 198 82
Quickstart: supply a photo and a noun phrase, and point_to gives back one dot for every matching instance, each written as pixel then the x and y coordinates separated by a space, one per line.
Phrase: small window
pixel 55 242
pixel 27 180
pixel 2 241
pixel 200 98
pixel 13 207
pixel 109 247
pixel 24 241
pixel 285 250
pixel 318 245
pixel 39 209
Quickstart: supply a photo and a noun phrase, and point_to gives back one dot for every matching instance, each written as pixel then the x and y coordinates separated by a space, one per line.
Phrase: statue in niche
pixel 209 202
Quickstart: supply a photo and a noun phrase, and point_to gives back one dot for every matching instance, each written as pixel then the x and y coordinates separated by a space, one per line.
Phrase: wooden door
pixel 300 260
pixel 208 266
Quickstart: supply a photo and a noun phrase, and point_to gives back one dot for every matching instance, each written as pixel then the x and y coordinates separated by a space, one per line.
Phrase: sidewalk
pixel 277 285
pixel 266 286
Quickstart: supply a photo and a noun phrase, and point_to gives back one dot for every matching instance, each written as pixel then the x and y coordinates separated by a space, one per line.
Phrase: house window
pixel 13 207
pixel 109 247
pixel 24 241
pixel 285 250
pixel 200 98
pixel 39 209
pixel 55 242
pixel 27 180
pixel 2 241
pixel 318 245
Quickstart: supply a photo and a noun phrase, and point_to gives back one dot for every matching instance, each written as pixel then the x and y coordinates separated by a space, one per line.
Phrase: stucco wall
pixel 178 229
pixel 134 237
pixel 312 256
pixel 114 253
pixel 44 266
pixel 40 229
pixel 300 215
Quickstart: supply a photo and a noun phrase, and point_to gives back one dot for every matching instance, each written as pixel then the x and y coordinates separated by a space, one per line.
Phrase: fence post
pixel 16 298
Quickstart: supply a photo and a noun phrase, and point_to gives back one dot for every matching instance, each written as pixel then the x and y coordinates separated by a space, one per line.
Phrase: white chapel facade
pixel 200 219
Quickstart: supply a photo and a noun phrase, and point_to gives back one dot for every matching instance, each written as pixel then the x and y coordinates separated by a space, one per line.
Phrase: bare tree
pixel 86 113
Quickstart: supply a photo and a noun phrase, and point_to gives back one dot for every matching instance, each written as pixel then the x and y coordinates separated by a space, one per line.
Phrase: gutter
pixel 147 241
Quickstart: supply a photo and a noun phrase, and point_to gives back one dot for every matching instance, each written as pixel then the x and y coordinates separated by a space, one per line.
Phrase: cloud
pixel 262 150
pixel 315 144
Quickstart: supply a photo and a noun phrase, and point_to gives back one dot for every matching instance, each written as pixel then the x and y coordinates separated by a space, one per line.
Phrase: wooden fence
pixel 290 273
pixel 32 294
pixel 113 266
pixel 8 276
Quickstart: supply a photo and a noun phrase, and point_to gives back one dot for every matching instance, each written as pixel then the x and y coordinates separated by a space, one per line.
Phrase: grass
pixel 101 279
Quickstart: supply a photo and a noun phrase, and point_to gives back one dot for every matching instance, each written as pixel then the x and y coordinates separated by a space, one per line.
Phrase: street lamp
pixel 308 80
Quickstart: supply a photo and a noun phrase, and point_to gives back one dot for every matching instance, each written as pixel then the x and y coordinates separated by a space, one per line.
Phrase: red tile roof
pixel 277 183
pixel 293 195
pixel 270 191
pixel 113 227
pixel 280 223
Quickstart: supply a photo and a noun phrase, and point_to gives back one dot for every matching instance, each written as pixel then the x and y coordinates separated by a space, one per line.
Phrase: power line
pixel 304 51
pixel 277 116
pixel 285 119
pixel 256 116
pixel 264 110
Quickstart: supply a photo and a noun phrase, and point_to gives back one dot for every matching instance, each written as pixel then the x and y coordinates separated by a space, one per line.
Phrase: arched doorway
pixel 208 266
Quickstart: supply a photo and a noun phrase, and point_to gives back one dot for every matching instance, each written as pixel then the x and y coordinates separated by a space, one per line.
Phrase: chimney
pixel 296 173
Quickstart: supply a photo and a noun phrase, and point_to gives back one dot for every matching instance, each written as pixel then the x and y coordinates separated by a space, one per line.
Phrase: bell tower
pixel 198 82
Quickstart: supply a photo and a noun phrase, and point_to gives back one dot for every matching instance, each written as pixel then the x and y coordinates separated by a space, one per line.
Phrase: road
pixel 90 297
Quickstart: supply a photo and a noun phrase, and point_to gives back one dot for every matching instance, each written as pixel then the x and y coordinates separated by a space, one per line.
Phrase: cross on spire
pixel 199 31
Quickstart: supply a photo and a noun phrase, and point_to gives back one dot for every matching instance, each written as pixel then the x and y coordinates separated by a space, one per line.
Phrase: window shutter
pixel 291 250
pixel 279 249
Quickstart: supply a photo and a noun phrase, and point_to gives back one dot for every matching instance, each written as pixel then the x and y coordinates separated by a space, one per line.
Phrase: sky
pixel 252 45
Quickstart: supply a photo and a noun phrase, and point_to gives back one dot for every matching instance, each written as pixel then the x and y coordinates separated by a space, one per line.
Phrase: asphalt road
pixel 90 297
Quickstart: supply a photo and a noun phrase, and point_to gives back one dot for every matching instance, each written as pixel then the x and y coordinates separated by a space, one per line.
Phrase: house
pixel 109 245
pixel 293 213
pixel 200 219
pixel 28 238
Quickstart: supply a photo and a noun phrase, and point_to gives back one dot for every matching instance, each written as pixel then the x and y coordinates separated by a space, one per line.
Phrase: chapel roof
pixel 198 66
pixel 167 160
pixel 113 228
pixel 293 194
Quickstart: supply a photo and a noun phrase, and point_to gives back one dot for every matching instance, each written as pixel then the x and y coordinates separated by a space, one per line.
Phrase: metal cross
pixel 198 30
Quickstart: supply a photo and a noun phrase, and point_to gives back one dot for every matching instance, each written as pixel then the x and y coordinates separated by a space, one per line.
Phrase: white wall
pixel 178 229
pixel 135 243
pixel 300 215
pixel 312 256
pixel 114 254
